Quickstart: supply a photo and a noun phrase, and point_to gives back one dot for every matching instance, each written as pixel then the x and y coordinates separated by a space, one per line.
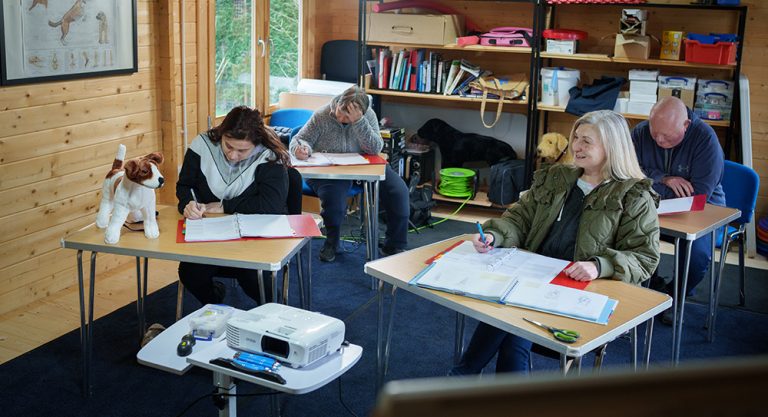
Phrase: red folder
pixel 303 224
pixel 560 279
pixel 375 159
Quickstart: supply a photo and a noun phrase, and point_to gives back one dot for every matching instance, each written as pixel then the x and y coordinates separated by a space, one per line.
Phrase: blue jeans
pixel 393 198
pixel 514 352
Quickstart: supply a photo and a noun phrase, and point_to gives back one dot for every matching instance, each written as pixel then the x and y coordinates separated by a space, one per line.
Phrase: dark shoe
pixel 219 292
pixel 328 251
pixel 388 251
pixel 667 317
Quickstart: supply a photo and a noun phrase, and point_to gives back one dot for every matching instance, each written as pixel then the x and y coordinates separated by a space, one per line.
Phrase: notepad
pixel 324 159
pixel 514 277
pixel 682 204
pixel 238 226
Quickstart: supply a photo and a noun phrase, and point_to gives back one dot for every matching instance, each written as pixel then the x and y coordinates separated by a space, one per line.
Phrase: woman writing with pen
pixel 236 167
pixel 599 212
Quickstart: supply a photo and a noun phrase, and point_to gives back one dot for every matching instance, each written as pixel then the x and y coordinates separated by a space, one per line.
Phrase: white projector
pixel 294 336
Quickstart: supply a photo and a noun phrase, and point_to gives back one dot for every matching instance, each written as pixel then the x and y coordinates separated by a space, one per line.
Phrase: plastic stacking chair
pixel 740 184
pixel 338 61
pixel 294 119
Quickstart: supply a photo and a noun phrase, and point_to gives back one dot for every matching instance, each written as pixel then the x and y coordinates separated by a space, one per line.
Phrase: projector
pixel 294 336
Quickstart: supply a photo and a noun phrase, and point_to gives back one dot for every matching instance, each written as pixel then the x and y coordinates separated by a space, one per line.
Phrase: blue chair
pixel 294 119
pixel 740 184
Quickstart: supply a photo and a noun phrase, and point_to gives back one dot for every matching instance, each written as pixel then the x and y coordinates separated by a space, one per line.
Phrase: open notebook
pixel 513 277
pixel 239 226
pixel 325 159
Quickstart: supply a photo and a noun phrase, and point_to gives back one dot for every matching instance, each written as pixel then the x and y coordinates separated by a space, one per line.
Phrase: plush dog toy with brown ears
pixel 553 149
pixel 129 191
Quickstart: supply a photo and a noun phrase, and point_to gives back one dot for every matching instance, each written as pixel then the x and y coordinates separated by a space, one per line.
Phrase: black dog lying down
pixel 457 147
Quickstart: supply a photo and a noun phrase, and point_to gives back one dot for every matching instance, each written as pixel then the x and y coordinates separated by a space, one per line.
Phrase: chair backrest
pixel 338 61
pixel 290 117
pixel 740 184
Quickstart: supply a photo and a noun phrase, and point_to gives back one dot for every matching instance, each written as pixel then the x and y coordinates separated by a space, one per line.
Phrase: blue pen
pixel 482 234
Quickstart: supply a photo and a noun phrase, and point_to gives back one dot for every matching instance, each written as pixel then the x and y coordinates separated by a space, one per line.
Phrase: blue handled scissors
pixel 563 335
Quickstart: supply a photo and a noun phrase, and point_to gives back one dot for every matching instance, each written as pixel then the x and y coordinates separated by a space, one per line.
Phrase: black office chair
pixel 338 61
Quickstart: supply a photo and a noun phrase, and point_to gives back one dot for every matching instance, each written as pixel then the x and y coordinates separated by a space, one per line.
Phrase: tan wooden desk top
pixel 264 254
pixel 636 304
pixel 344 172
pixel 692 225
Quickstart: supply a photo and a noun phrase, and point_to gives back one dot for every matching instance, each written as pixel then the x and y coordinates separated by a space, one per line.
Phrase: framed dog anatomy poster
pixel 49 40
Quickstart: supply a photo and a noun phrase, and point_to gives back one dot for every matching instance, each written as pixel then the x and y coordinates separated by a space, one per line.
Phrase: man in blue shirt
pixel 683 157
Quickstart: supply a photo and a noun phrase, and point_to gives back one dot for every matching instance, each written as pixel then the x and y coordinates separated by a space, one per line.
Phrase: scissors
pixel 563 335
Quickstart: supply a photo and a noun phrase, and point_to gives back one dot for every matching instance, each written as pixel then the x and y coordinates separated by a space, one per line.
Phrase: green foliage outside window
pixel 235 45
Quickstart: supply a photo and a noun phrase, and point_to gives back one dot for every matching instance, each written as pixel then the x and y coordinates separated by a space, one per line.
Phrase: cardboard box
pixel 672 45
pixel 633 22
pixel 683 94
pixel 632 46
pixel 415 28
pixel 639 107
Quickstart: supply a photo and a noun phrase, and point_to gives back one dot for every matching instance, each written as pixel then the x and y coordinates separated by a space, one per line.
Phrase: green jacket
pixel 619 226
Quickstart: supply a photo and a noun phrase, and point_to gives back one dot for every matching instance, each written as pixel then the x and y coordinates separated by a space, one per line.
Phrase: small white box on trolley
pixel 294 336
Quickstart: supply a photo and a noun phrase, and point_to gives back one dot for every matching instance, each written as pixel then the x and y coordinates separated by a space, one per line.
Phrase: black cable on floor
pixel 215 394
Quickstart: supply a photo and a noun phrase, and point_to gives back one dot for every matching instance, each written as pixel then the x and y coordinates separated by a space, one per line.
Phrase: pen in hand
pixel 194 197
pixel 482 234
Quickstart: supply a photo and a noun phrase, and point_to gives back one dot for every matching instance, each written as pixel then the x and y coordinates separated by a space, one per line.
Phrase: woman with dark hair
pixel 236 167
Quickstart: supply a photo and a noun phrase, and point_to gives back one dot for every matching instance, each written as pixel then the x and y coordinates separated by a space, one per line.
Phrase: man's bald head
pixel 668 122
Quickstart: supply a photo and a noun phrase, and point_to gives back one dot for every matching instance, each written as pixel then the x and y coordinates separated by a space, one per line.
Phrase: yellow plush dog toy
pixel 553 149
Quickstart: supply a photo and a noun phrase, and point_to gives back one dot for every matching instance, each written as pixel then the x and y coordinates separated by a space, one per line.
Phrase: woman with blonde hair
pixel 598 212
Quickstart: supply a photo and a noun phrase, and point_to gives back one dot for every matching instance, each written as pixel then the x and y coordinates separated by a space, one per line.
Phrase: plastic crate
pixel 721 53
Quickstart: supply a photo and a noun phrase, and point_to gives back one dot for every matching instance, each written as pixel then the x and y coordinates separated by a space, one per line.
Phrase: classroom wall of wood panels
pixel 58 142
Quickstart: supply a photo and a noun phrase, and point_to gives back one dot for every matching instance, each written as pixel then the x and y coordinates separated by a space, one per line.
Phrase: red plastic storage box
pixel 721 53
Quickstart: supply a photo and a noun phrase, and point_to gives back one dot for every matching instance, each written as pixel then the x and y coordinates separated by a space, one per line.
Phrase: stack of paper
pixel 324 159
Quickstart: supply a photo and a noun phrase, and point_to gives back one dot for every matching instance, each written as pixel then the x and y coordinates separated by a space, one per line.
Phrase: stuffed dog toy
pixel 129 190
pixel 457 147
pixel 553 149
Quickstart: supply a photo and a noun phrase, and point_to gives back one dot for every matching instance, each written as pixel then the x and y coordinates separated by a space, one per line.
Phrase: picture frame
pixel 43 40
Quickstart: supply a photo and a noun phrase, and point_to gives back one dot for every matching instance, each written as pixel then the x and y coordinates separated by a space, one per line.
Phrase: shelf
pixel 454 47
pixel 558 109
pixel 631 61
pixel 480 200
pixel 426 96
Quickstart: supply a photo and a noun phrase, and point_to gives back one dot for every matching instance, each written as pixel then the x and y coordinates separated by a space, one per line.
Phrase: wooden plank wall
pixel 59 140
pixel 337 18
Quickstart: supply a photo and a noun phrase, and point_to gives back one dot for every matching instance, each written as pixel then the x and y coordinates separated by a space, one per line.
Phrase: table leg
pixel 274 400
pixel 141 294
pixel 648 340
pixel 309 275
pixel 633 336
pixel 389 329
pixel 286 281
pixel 300 274
pixel 681 302
pixel 367 222
pixel 458 347
pixel 262 291
pixel 675 280
pixel 86 320
pixel 714 289
pixel 371 197
pixel 224 384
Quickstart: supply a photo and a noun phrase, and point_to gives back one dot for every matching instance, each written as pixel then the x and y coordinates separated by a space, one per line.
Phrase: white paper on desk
pixel 508 261
pixel 682 204
pixel 346 158
pixel 316 160
pixel 558 299
pixel 212 229
pixel 264 225
pixel 463 279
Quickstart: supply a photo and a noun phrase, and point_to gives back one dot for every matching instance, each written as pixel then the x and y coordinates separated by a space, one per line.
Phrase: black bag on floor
pixel 420 201
pixel 506 181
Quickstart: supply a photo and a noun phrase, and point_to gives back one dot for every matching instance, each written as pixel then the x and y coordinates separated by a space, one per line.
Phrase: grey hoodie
pixel 323 133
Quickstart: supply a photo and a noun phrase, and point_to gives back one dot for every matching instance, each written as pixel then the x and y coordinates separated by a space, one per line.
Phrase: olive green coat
pixel 619 226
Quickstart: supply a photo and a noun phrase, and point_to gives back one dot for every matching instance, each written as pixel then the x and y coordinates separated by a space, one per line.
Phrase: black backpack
pixel 506 181
pixel 421 203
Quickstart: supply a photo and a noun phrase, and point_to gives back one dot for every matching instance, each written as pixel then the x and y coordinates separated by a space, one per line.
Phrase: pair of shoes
pixel 667 316
pixel 151 333
pixel 389 250
pixel 219 292
pixel 328 251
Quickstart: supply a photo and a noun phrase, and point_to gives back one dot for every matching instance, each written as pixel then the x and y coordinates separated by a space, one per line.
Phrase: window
pixel 257 52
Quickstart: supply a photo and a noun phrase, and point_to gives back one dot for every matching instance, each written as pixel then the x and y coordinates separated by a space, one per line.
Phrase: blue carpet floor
pixel 46 381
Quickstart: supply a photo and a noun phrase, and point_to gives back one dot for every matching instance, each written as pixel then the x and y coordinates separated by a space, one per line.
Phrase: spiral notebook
pixel 514 277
